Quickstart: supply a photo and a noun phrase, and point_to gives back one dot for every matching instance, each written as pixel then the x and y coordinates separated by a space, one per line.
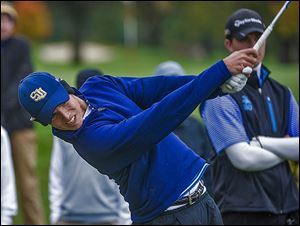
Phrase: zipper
pixel 263 103
pixel 272 115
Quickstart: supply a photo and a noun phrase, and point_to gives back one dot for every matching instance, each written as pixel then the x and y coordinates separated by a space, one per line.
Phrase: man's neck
pixel 257 69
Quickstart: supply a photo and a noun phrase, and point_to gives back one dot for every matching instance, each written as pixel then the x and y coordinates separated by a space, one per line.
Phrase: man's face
pixel 248 42
pixel 7 27
pixel 69 115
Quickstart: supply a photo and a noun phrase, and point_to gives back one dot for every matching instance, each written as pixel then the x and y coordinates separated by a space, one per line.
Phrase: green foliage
pixel 34 20
pixel 288 25
pixel 96 21
pixel 192 28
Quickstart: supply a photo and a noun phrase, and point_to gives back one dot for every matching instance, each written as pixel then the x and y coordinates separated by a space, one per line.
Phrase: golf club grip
pixel 263 38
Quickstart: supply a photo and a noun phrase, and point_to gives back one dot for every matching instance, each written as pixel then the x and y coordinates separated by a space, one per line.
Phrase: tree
pixel 287 29
pixel 34 19
pixel 78 12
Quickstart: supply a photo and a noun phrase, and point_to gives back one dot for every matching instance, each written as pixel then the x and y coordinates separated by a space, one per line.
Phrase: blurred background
pixel 131 38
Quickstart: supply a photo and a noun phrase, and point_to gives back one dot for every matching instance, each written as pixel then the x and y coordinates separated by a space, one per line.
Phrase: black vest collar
pixel 253 79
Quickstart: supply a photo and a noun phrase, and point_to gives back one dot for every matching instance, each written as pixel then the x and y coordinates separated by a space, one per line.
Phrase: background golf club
pixel 264 36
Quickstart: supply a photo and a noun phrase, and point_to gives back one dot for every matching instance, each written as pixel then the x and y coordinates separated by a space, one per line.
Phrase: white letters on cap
pixel 38 94
pixel 238 23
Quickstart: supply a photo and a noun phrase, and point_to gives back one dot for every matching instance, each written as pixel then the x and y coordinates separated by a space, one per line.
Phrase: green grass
pixel 129 62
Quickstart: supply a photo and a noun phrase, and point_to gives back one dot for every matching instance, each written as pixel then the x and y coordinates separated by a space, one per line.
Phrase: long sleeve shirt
pixel 128 135
pixel 9 204
pixel 79 193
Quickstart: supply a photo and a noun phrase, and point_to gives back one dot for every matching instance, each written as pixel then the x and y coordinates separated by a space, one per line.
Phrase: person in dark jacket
pixel 15 65
pixel 254 133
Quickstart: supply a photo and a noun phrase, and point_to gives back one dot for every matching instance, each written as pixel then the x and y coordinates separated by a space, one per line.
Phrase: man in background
pixel 15 65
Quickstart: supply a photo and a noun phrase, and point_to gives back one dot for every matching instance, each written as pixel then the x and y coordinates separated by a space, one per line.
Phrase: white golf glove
pixel 234 84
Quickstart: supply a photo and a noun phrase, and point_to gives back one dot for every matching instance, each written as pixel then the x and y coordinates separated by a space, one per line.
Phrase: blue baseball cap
pixel 40 93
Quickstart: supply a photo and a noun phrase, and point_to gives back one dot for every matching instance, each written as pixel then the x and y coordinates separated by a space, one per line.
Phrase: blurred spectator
pixel 191 131
pixel 83 75
pixel 169 68
pixel 15 65
pixel 9 204
pixel 78 193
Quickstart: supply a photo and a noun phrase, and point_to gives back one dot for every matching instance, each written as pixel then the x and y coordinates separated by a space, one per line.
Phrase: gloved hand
pixel 235 84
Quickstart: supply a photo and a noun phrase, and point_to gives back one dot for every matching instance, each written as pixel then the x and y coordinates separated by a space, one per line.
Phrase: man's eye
pixel 244 39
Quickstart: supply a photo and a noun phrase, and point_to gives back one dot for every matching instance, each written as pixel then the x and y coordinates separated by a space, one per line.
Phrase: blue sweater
pixel 128 135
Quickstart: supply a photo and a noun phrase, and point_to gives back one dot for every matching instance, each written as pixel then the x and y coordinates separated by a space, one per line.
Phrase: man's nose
pixel 63 112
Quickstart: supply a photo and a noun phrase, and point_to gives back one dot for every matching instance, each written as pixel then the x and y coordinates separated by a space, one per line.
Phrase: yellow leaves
pixel 34 19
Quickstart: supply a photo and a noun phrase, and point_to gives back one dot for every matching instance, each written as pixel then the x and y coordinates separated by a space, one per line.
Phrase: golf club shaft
pixel 266 33
pixel 269 29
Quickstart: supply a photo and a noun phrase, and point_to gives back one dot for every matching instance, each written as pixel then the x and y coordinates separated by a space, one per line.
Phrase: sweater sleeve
pixel 149 90
pixel 127 140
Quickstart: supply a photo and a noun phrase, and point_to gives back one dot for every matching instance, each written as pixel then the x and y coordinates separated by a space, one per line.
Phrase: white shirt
pixel 78 192
pixel 9 204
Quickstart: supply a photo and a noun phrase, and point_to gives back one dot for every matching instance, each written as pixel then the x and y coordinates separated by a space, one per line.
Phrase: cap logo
pixel 238 23
pixel 38 94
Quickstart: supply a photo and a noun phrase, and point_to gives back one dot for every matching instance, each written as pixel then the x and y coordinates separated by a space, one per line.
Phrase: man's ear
pixel 228 45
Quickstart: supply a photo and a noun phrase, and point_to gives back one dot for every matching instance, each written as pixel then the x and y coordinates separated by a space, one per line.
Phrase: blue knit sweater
pixel 128 135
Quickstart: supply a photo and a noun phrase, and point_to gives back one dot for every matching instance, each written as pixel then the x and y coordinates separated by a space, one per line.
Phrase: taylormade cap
pixel 40 93
pixel 169 68
pixel 243 22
